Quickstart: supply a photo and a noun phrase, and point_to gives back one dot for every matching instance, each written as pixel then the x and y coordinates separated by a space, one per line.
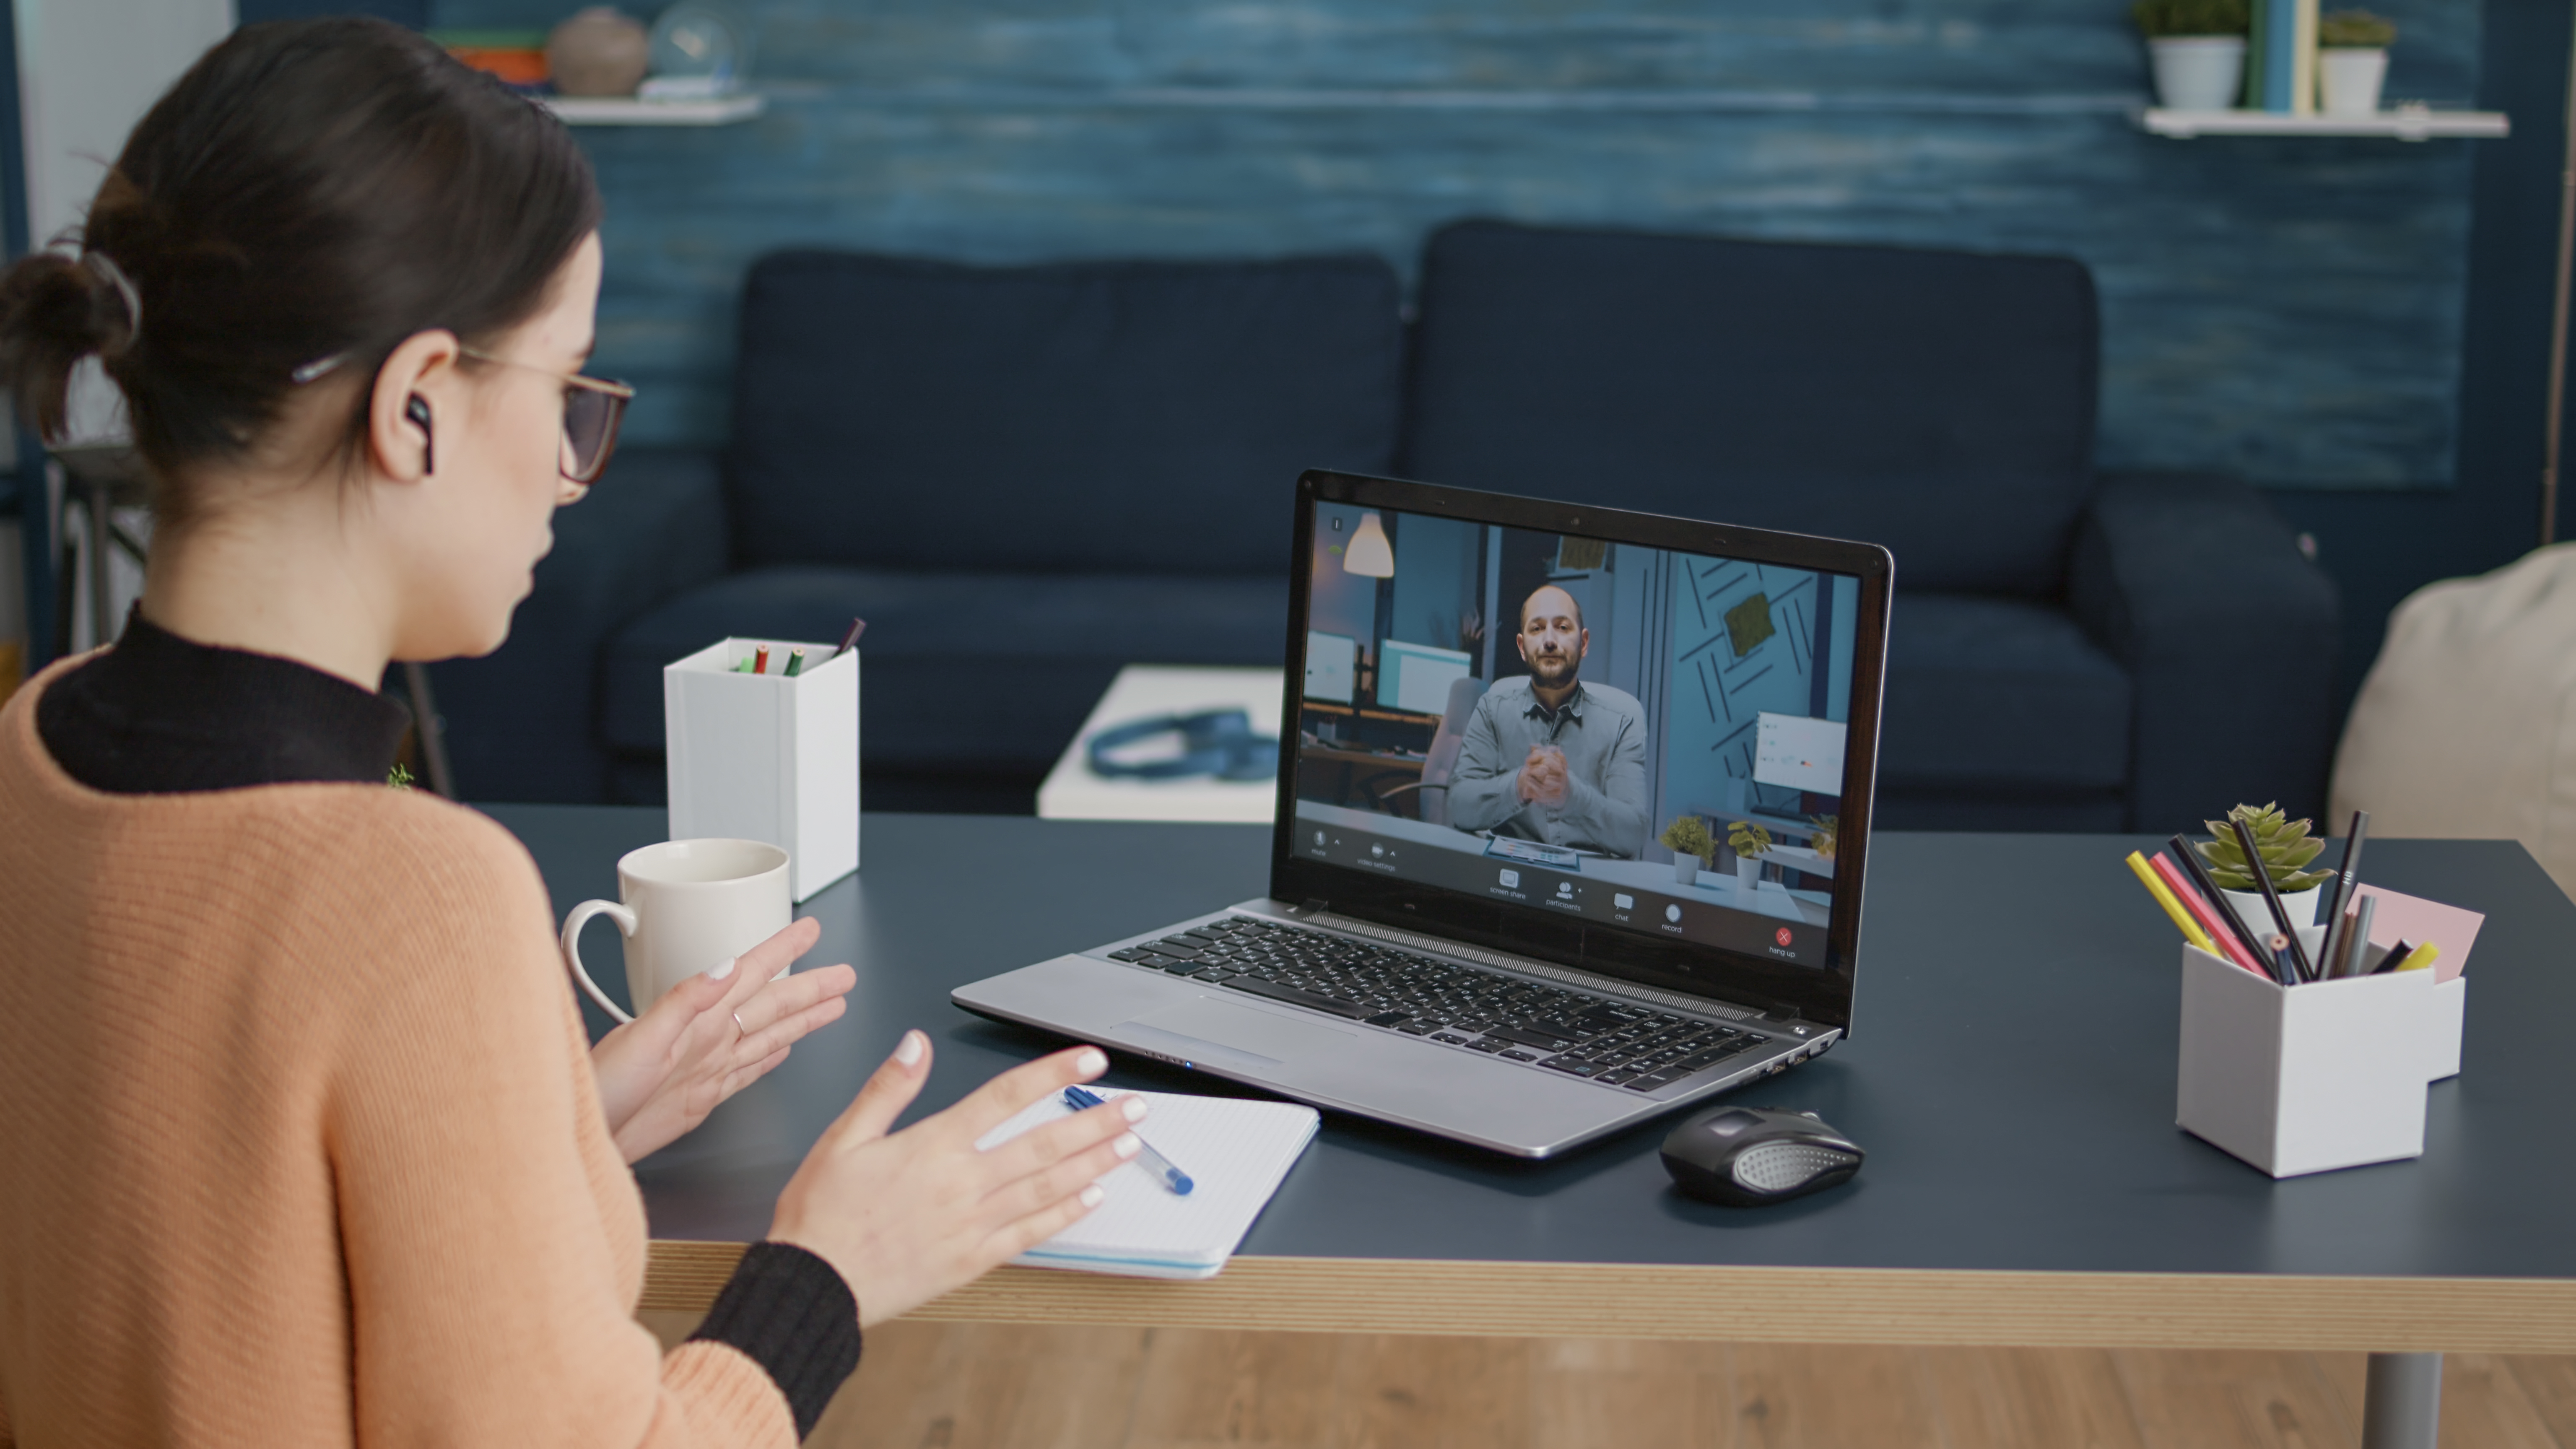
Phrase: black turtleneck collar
pixel 161 715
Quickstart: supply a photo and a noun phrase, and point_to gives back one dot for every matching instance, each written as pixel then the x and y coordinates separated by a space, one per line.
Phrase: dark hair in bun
pixel 310 189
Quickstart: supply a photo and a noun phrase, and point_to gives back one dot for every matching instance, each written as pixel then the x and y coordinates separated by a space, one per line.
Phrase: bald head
pixel 1552 641
pixel 1548 601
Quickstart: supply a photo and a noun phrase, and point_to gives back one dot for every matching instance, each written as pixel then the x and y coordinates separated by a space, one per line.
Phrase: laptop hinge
pixel 1312 906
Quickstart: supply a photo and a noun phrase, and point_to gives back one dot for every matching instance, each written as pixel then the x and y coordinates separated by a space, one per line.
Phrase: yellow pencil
pixel 2191 930
pixel 2421 958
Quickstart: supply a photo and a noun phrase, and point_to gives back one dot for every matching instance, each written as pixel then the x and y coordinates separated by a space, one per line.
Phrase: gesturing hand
pixel 909 1217
pixel 711 1036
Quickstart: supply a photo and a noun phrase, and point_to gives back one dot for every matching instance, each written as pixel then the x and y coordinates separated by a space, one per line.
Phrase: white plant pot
pixel 2249 908
pixel 1685 868
pixel 1748 876
pixel 2199 72
pixel 2348 80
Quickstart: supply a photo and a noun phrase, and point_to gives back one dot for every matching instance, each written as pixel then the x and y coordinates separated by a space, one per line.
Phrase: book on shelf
pixel 2255 50
pixel 2303 75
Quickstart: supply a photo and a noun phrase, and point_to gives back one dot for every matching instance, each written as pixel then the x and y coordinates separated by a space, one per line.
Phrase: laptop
pixel 1503 708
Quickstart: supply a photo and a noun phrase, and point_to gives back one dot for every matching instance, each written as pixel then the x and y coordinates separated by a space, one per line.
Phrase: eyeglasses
pixel 593 409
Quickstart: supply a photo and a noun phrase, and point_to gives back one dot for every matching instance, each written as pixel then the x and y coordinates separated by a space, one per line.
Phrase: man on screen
pixel 1547 757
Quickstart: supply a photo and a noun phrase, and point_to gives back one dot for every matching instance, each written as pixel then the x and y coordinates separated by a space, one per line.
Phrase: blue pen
pixel 1146 1157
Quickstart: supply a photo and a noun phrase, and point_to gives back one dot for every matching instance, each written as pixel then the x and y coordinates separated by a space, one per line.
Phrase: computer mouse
pixel 1747 1156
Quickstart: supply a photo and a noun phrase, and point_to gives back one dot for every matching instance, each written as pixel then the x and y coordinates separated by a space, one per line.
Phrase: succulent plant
pixel 1688 835
pixel 1747 839
pixel 2356 30
pixel 2285 846
pixel 2158 18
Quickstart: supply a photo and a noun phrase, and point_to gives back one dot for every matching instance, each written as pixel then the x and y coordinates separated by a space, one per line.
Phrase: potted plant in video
pixel 1749 842
pixel 2196 49
pixel 1692 847
pixel 2352 62
pixel 2286 849
pixel 1828 829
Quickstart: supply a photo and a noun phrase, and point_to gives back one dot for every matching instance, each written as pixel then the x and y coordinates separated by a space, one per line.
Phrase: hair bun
pixel 56 309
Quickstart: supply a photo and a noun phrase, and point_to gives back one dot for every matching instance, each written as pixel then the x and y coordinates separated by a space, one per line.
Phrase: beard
pixel 1555 671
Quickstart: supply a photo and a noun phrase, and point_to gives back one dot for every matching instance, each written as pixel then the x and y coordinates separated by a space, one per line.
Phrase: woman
pixel 300 1139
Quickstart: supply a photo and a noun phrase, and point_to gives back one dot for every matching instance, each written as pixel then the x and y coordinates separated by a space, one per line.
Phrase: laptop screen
pixel 1650 742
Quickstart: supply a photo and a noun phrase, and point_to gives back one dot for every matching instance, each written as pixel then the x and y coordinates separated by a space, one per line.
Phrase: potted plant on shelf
pixel 1828 829
pixel 2196 49
pixel 1688 839
pixel 2286 847
pixel 2352 62
pixel 1748 841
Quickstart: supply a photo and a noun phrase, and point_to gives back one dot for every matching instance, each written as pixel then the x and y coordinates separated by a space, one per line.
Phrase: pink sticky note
pixel 2411 918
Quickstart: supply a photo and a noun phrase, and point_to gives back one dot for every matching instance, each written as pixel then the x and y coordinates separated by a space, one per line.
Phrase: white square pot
pixel 767 756
pixel 2294 1080
pixel 2349 80
pixel 2450 1014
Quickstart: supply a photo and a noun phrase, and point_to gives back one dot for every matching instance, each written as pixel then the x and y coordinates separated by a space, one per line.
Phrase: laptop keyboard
pixel 1616 1043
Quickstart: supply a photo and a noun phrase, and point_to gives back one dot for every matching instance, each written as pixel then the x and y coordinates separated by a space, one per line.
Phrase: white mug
pixel 688 905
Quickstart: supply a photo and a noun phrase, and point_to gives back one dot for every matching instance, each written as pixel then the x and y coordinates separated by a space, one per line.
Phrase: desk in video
pixel 1534 716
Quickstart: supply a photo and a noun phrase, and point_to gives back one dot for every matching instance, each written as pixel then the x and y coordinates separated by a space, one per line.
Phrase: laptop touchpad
pixel 1240 1029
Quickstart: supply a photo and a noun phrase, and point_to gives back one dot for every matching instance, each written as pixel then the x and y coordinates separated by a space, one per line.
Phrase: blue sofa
pixel 1020 477
pixel 1023 477
pixel 2066 652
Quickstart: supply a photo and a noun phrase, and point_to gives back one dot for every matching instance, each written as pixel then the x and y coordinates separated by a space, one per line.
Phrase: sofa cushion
pixel 1104 416
pixel 1940 403
pixel 2002 695
pixel 991 671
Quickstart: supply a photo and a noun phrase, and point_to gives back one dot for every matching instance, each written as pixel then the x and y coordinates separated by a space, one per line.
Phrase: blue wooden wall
pixel 2290 311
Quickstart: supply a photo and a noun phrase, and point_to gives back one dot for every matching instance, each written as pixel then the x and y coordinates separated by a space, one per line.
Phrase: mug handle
pixel 573 923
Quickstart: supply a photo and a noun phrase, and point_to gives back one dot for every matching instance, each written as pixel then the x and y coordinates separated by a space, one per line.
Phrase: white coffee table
pixel 1073 792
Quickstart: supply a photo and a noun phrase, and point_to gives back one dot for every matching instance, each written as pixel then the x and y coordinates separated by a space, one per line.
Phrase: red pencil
pixel 760 661
pixel 2203 911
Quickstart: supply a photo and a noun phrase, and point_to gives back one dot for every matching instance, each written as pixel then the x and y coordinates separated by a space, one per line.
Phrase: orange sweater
pixel 299 1143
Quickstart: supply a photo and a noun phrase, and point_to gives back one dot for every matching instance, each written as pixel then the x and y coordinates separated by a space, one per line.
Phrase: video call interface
pixel 1559 721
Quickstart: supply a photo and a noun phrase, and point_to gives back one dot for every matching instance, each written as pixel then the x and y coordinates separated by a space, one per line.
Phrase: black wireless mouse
pixel 1747 1156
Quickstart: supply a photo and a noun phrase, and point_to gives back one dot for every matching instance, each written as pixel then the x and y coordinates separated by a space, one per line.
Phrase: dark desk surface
pixel 2011 1074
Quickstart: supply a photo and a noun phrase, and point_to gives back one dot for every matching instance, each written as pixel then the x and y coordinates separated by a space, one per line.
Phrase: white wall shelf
pixel 2406 123
pixel 628 111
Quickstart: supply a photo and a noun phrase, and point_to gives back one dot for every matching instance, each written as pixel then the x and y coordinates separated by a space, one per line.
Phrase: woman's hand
pixel 909 1217
pixel 711 1036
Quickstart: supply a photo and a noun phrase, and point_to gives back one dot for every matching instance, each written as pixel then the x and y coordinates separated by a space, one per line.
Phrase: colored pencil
pixel 2210 922
pixel 2246 936
pixel 2156 887
pixel 2272 898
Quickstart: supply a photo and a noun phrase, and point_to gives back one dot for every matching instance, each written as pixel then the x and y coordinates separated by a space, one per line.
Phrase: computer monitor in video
pixel 1651 739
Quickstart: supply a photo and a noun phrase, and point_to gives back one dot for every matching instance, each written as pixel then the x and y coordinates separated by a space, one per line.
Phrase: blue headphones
pixel 1217 742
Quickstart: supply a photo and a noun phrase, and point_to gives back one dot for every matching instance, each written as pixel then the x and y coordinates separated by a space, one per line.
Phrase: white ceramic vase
pixel 2198 72
pixel 2348 80
pixel 1748 875
pixel 1685 868
pixel 2249 908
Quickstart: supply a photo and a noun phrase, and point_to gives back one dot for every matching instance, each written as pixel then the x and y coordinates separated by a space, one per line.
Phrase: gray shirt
pixel 1603 734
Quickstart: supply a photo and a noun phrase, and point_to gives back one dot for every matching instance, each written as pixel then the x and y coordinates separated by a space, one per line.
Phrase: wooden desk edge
pixel 1801 1305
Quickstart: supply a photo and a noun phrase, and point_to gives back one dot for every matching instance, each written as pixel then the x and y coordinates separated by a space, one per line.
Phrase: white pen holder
pixel 768 756
pixel 2309 1078
pixel 2449 1016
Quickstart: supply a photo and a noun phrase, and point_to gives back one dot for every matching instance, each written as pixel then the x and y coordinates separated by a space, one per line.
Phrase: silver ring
pixel 739 1030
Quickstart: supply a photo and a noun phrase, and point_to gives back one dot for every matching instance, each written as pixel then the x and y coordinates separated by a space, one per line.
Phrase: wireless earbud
pixel 416 412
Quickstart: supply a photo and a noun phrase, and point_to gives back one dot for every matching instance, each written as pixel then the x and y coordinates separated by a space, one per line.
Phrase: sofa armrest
pixel 2198 589
pixel 522 722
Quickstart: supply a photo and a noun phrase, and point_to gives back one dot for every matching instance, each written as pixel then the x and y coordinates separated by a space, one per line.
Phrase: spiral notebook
pixel 1237 1151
